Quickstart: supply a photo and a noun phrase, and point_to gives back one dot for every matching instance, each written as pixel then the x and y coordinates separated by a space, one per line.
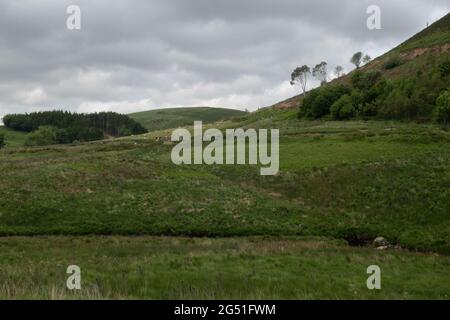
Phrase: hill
pixel 140 226
pixel 176 117
pixel 14 138
pixel 340 183
pixel 422 52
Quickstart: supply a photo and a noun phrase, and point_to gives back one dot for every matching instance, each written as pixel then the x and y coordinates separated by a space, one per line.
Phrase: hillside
pixel 340 183
pixel 140 226
pixel 176 117
pixel 14 138
pixel 423 51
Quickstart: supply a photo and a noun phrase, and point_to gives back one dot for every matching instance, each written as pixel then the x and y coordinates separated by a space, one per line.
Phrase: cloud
pixel 135 55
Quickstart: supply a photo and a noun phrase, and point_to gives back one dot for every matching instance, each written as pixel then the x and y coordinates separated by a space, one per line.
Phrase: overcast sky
pixel 133 55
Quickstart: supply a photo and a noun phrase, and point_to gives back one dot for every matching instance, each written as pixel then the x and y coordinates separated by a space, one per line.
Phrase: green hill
pixel 13 138
pixel 140 226
pixel 176 117
pixel 419 55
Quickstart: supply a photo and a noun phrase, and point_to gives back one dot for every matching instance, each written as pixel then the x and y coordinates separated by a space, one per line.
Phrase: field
pixel 227 231
pixel 177 117
pixel 225 268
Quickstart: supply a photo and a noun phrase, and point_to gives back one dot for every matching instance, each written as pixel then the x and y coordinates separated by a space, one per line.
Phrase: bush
pixel 2 140
pixel 442 110
pixel 365 81
pixel 44 136
pixel 392 62
pixel 398 105
pixel 318 102
pixel 343 108
pixel 444 69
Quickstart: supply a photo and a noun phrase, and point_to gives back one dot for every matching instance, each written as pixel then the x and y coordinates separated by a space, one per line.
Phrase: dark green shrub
pixel 444 69
pixel 343 108
pixel 44 136
pixel 319 101
pixel 442 110
pixel 365 80
pixel 2 140
pixel 392 62
pixel 369 109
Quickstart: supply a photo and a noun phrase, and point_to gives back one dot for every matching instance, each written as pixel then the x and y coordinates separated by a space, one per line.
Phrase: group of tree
pixel 360 58
pixel 424 95
pixel 67 127
pixel 300 75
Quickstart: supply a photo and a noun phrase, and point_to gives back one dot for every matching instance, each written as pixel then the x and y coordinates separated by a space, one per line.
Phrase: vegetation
pixel 73 126
pixel 363 179
pixel 318 102
pixel 177 117
pixel 320 72
pixel 442 112
pixel 393 62
pixel 2 140
pixel 300 77
pixel 13 138
pixel 199 268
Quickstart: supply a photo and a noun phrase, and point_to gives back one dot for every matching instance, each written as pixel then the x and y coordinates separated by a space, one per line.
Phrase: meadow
pixel 220 268
pixel 143 227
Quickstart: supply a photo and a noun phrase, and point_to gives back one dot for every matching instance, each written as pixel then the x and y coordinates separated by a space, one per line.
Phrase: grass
pixel 337 180
pixel 177 117
pixel 13 138
pixel 194 268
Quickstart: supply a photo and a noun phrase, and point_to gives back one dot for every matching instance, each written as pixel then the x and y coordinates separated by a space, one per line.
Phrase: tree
pixel 320 72
pixel 300 76
pixel 343 108
pixel 338 71
pixel 2 140
pixel 366 59
pixel 356 59
pixel 318 102
pixel 44 136
pixel 442 111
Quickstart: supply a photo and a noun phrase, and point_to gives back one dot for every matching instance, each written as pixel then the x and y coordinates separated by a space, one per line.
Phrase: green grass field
pixel 340 181
pixel 225 268
pixel 177 117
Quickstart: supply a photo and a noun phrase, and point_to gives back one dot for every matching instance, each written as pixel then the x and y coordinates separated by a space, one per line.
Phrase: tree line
pixel 423 95
pixel 67 127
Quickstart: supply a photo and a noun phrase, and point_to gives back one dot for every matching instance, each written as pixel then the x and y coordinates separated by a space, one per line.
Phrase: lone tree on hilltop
pixel 300 76
pixel 357 59
pixel 320 72
pixel 338 71
pixel 366 59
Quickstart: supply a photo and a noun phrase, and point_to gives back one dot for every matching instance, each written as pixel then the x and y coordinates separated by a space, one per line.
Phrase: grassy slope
pixel 13 138
pixel 177 117
pixel 336 180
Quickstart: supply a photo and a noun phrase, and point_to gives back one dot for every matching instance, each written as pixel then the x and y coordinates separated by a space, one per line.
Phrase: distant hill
pixel 420 52
pixel 176 117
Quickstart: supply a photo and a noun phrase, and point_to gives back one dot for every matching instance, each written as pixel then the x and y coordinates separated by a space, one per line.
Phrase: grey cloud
pixel 132 55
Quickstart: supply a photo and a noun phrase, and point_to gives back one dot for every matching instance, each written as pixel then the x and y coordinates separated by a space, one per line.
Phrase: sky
pixel 136 55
